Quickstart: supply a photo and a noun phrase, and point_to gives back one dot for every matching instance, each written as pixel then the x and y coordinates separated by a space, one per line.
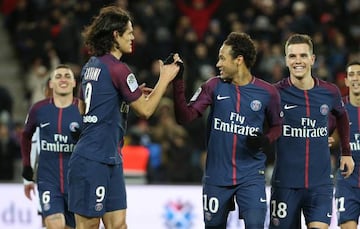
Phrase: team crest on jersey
pixel 324 109
pixel 131 82
pixel 255 105
pixel 196 95
pixel 73 126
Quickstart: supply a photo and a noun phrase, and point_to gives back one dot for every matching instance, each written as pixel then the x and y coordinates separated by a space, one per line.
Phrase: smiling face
pixel 352 79
pixel 62 81
pixel 299 59
pixel 226 63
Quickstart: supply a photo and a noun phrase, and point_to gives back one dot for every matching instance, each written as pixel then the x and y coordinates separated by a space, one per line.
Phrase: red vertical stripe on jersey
pixel 307 142
pixel 61 168
pixel 233 160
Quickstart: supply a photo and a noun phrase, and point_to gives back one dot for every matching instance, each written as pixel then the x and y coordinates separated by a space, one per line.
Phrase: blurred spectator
pixel 302 22
pixel 9 149
pixel 199 13
pixel 172 138
pixel 180 165
pixel 67 39
pixel 36 80
pixel 6 101
pixel 340 82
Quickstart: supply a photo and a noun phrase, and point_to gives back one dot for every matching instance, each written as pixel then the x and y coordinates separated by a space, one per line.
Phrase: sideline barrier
pixel 149 206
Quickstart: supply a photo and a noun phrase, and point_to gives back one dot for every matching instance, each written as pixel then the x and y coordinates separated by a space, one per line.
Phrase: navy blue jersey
pixel 56 143
pixel 303 155
pixel 107 88
pixel 354 117
pixel 235 113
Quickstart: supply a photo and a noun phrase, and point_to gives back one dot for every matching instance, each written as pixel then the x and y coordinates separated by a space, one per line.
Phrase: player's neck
pixel 116 53
pixel 62 101
pixel 242 79
pixel 303 83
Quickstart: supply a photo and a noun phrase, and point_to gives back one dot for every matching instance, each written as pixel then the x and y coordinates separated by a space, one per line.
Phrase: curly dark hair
pixel 98 36
pixel 242 45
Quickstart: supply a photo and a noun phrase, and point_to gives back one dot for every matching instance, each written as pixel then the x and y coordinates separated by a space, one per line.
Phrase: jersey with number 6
pixel 107 88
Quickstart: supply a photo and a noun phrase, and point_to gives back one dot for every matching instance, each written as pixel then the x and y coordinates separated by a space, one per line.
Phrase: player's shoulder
pixel 42 103
pixel 264 84
pixel 212 82
pixel 327 85
pixel 261 82
pixel 323 83
pixel 282 84
pixel 108 64
pixel 114 64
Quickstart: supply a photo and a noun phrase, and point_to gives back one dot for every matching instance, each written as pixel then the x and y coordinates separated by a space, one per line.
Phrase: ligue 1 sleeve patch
pixel 131 82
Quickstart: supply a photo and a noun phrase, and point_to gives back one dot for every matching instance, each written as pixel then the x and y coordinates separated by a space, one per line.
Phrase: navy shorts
pixel 52 201
pixel 347 203
pixel 218 201
pixel 95 188
pixel 286 205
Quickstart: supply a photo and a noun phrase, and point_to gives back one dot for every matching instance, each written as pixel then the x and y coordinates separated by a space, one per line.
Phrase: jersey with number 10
pixel 107 88
pixel 236 112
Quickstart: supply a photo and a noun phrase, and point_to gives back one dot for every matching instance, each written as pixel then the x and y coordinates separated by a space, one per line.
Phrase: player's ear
pixel 115 34
pixel 73 82
pixel 239 60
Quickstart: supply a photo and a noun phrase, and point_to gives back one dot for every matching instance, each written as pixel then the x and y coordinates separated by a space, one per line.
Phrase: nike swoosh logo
pixel 329 215
pixel 42 125
pixel 288 107
pixel 219 97
pixel 262 200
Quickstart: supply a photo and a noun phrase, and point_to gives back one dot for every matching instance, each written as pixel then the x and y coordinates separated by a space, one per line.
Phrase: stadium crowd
pixel 46 33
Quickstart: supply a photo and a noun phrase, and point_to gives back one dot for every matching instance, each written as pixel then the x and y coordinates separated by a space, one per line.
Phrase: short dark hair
pixel 98 36
pixel 300 39
pixel 62 66
pixel 242 44
pixel 351 63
